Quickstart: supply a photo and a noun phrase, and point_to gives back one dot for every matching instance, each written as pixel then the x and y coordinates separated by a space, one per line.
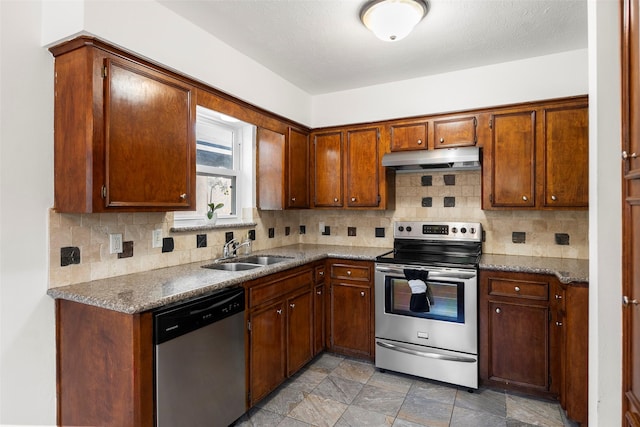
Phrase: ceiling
pixel 321 46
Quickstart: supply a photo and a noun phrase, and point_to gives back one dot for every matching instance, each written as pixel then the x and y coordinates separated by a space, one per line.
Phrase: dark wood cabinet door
pixel 297 169
pixel 270 164
pixel 455 132
pixel 327 169
pixel 512 182
pixel 318 318
pixel 631 211
pixel 351 319
pixel 409 137
pixel 299 331
pixel 149 138
pixel 566 156
pixel 519 344
pixel 362 167
pixel 267 350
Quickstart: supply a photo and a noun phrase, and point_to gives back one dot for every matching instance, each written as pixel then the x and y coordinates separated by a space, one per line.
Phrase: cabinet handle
pixel 558 296
pixel 293 199
pixel 498 311
pixel 558 323
pixel 517 288
pixel 279 311
pixel 292 305
pixel 319 292
pixel 554 198
pixel 525 198
pixel 626 155
pixel 183 196
pixel 321 273
pixel 441 140
pixel 362 293
pixel 353 199
pixel 419 142
pixel 626 301
pixel 348 272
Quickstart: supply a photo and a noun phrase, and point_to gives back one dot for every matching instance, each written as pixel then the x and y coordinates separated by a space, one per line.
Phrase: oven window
pixel 446 300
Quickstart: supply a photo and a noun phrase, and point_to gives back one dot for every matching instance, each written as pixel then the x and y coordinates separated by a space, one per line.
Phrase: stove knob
pixel 463 230
pixel 409 228
pixel 401 228
pixel 454 230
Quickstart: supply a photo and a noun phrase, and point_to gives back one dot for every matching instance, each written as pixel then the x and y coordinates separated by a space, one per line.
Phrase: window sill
pixel 204 227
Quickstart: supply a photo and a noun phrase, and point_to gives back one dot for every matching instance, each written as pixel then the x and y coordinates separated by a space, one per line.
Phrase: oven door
pixel 448 320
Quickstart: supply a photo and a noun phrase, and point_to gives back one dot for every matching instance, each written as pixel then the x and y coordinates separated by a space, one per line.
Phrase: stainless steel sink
pixel 233 266
pixel 264 259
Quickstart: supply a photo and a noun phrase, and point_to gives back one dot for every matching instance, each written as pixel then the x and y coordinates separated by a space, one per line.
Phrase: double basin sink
pixel 246 263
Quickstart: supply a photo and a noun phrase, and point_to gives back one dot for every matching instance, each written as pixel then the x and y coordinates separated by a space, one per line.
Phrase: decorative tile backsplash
pixel 456 199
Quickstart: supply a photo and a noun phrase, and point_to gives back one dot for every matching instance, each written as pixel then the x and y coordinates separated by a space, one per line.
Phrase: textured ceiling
pixel 321 46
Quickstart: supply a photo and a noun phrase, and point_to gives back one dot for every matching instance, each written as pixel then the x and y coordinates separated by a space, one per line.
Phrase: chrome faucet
pixel 229 249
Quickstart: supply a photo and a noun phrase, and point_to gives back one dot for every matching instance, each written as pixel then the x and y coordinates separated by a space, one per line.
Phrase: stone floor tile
pixel 483 399
pixel 533 411
pixel 326 362
pixel 463 417
pixel 307 379
pixel 431 390
pixel 391 381
pixel 426 412
pixel 354 370
pixel 339 389
pixel 283 400
pixel 379 400
pixel 318 411
pixel 258 417
pixel 359 417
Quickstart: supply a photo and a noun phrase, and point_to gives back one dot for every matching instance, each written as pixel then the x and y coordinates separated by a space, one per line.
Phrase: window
pixel 224 166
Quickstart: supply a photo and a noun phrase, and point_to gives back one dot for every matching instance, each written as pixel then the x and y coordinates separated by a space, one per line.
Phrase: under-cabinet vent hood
pixel 443 159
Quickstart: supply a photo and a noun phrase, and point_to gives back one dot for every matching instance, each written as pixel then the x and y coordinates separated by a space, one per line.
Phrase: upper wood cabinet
pixel 124 133
pixel 537 157
pixel 455 132
pixel 409 136
pixel 347 169
pixel 282 169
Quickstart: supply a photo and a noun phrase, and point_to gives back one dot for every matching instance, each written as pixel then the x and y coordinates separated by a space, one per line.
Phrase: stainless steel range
pixel 426 302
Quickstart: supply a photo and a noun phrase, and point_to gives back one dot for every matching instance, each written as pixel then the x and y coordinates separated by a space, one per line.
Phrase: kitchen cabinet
pixel 319 304
pixel 348 172
pixel 124 132
pixel 537 157
pixel 409 136
pixel 455 131
pixel 534 337
pixel 104 366
pixel 351 327
pixel 282 169
pixel 280 324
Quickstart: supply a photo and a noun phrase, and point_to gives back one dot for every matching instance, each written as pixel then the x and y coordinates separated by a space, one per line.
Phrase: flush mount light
pixel 393 20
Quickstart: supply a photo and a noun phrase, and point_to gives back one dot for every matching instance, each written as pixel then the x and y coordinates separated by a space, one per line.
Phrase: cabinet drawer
pixel 351 272
pixel 319 274
pixel 277 287
pixel 519 289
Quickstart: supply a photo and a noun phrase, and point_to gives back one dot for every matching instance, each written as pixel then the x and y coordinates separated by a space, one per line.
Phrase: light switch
pixel 115 243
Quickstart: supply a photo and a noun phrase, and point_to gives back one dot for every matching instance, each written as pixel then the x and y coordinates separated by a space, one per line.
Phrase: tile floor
pixel 337 391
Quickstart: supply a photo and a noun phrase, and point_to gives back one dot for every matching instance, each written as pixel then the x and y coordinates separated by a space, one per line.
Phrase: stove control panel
pixel 468 231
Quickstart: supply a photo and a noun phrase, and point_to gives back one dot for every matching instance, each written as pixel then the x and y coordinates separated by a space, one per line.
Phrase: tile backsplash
pixel 451 197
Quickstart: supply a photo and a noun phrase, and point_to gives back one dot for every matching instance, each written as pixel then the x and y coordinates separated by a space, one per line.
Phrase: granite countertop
pixel 566 270
pixel 135 293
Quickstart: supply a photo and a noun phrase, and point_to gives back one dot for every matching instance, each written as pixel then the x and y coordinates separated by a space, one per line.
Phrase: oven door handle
pixel 426 354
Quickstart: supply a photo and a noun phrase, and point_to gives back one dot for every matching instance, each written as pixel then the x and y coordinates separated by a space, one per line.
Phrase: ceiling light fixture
pixel 393 20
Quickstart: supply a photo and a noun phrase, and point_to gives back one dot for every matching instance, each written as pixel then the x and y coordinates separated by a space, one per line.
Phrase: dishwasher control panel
pixel 178 319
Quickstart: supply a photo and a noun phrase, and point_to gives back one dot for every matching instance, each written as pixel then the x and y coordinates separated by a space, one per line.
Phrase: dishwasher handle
pixel 213 306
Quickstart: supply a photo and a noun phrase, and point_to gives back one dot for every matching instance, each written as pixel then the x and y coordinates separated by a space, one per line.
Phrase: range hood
pixel 443 159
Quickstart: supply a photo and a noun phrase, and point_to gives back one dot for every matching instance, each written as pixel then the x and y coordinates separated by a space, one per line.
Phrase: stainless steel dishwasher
pixel 200 361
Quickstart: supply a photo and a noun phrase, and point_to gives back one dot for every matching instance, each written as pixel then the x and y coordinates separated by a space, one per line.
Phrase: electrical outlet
pixel 115 243
pixel 156 238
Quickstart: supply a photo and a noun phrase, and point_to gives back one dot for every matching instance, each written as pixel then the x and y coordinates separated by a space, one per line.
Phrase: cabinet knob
pixel 292 305
pixel 335 199
pixel 353 199
pixel 293 199
pixel 183 196
pixel 321 273
pixel 348 272
pixel 626 301
pixel 319 292
pixel 517 288
pixel 362 293
pixel 441 140
pixel 626 155
pixel 558 296
pixel 558 323
pixel 498 311
pixel 525 198
pixel 279 311
pixel 419 142
pixel 554 198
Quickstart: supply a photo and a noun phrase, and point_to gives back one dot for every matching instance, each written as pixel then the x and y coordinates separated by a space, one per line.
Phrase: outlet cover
pixel 69 255
pixel 127 250
pixel 156 238
pixel 115 243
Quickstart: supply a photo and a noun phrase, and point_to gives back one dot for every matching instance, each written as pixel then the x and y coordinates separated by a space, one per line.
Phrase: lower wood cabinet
pixel 534 337
pixel 281 326
pixel 351 327
pixel 319 304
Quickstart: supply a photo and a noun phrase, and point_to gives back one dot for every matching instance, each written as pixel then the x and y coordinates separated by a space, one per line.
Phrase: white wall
pixel 605 241
pixel 27 344
pixel 545 77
